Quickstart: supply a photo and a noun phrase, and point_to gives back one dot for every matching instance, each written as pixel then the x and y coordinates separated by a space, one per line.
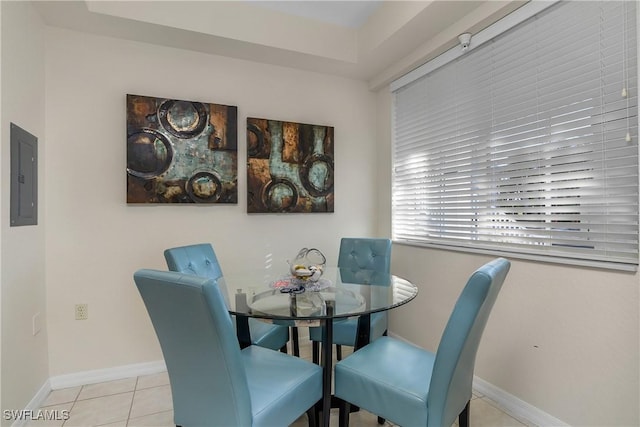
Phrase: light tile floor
pixel 146 401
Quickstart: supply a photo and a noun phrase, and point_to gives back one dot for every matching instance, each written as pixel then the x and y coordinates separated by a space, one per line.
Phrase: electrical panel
pixel 24 177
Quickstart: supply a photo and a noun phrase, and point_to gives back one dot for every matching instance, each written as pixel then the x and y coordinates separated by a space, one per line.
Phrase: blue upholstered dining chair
pixel 200 260
pixel 214 382
pixel 357 254
pixel 410 386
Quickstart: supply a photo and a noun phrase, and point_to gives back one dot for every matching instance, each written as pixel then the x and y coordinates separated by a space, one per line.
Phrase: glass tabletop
pixel 339 293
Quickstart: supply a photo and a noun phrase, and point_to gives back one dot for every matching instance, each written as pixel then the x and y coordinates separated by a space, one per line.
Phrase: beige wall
pixel 24 356
pixel 95 241
pixel 563 339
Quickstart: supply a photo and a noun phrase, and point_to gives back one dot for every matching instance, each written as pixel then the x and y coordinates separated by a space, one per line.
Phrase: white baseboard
pixel 509 403
pixel 108 374
pixel 512 405
pixel 35 403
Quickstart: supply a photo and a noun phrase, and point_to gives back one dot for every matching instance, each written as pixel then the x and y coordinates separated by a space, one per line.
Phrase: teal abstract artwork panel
pixel 181 151
pixel 290 167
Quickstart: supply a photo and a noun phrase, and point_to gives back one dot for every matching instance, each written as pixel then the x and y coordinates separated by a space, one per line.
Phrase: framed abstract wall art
pixel 290 167
pixel 181 151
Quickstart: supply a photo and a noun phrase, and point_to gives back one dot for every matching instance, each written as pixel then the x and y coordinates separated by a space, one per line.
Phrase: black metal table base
pixel 327 364
pixel 328 401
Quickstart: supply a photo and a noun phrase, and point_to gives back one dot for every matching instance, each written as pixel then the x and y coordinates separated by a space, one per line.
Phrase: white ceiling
pixel 375 41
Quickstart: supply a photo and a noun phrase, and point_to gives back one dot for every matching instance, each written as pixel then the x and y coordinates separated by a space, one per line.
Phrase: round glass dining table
pixel 275 296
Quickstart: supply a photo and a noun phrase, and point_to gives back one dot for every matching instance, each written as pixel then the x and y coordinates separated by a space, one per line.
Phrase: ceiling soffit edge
pixel 410 33
pixel 242 22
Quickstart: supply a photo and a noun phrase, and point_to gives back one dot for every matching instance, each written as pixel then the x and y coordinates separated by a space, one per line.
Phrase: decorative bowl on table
pixel 295 285
pixel 305 273
pixel 308 265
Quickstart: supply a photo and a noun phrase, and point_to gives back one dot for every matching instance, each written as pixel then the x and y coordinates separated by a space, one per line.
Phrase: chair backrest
pixel 200 348
pixel 452 377
pixel 198 260
pixel 365 253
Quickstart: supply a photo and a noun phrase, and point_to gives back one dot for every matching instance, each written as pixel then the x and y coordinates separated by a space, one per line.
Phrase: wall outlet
pixel 82 311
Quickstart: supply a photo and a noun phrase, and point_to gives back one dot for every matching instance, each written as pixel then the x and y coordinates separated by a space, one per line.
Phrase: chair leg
pixel 312 416
pixel 463 418
pixel 296 341
pixel 339 352
pixel 315 349
pixel 343 415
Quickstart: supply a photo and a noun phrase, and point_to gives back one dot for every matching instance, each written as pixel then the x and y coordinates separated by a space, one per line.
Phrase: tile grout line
pixel 73 404
pixel 146 388
pixel 135 389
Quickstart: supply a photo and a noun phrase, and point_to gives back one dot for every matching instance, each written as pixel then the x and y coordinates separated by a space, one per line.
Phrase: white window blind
pixel 527 144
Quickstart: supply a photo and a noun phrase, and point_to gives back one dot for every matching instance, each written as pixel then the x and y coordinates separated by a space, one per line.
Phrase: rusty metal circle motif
pixel 183 119
pixel 149 153
pixel 255 140
pixel 204 187
pixel 316 175
pixel 280 195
